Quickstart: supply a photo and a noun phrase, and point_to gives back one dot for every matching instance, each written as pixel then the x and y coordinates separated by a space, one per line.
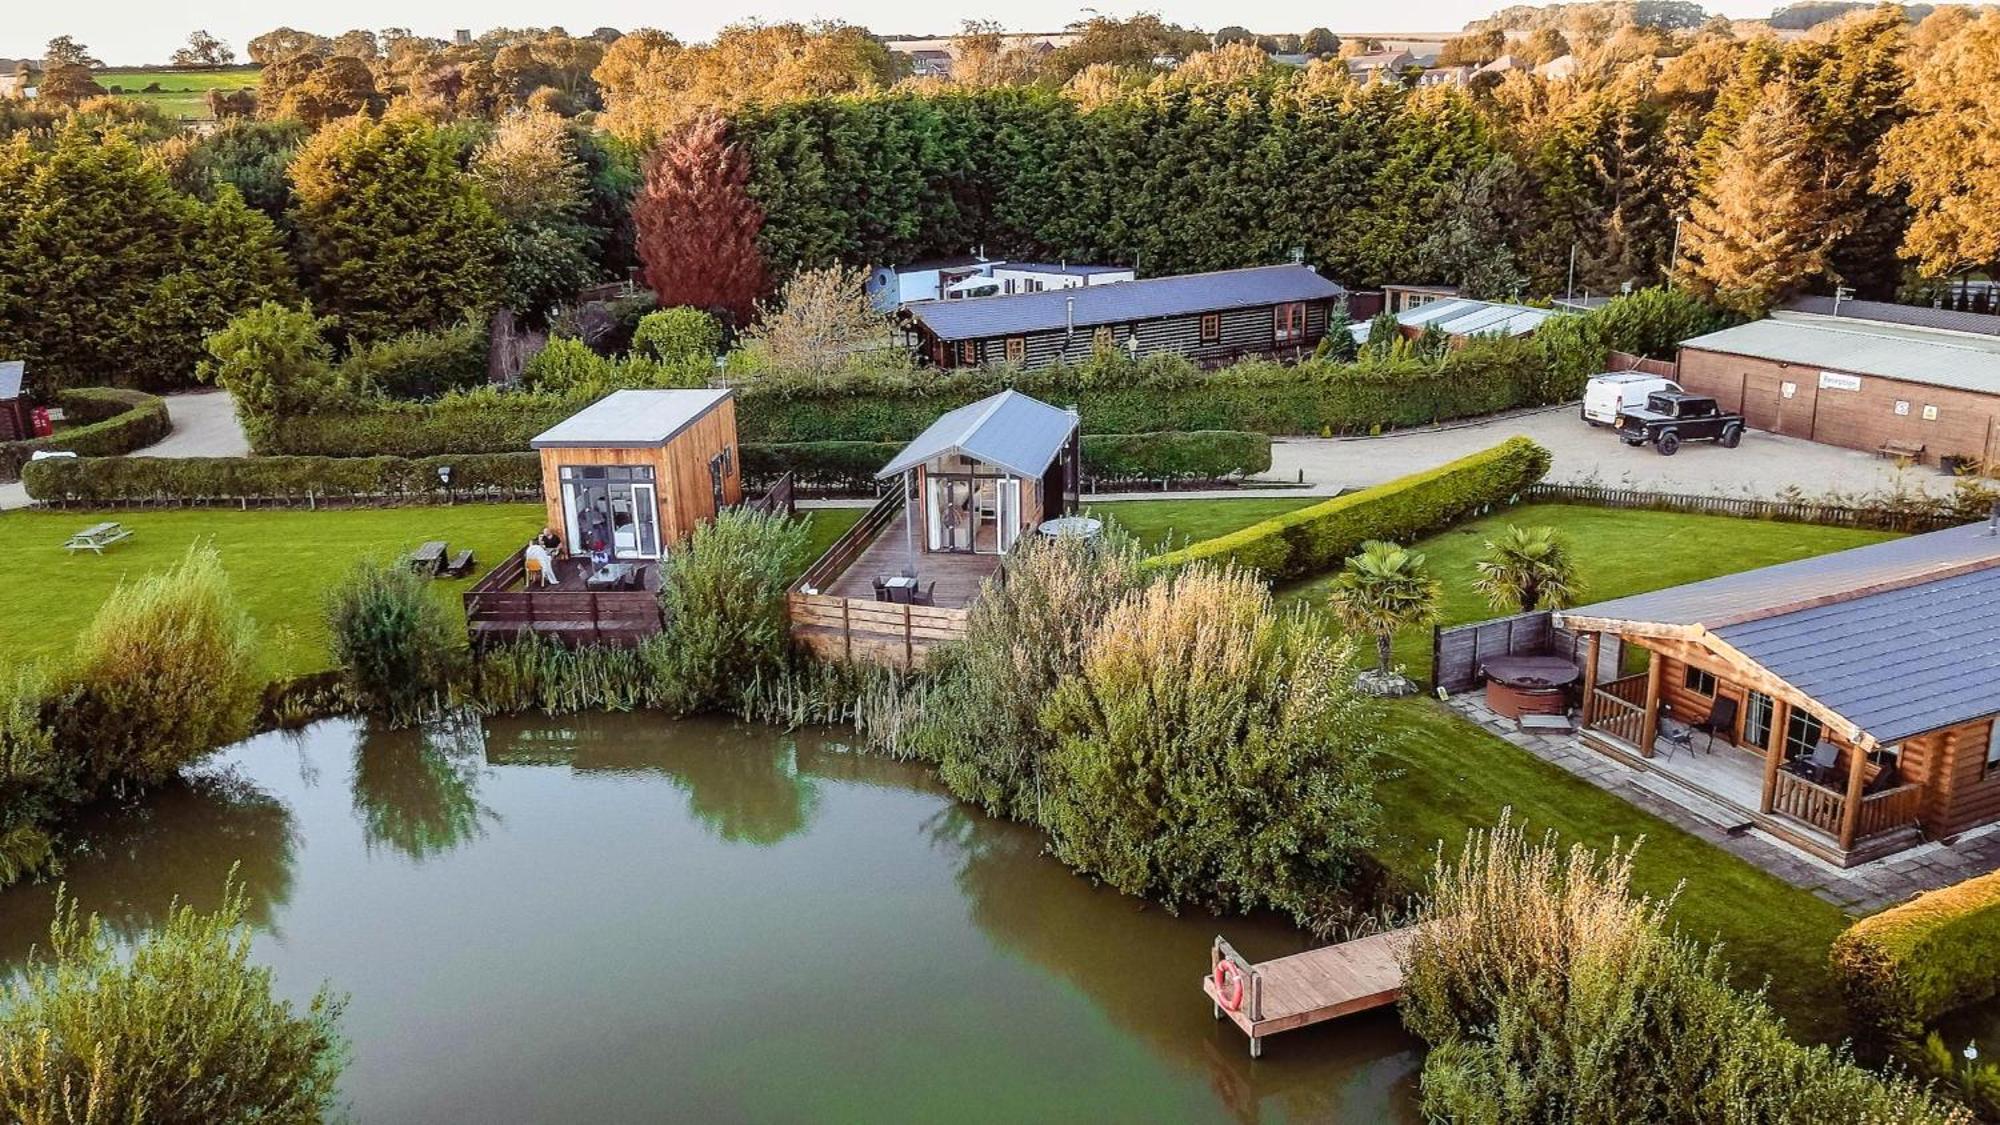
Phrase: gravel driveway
pixel 204 426
pixel 1764 466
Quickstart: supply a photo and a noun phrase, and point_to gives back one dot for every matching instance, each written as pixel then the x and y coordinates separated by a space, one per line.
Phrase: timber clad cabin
pixel 14 421
pixel 967 491
pixel 1856 694
pixel 625 480
pixel 1212 318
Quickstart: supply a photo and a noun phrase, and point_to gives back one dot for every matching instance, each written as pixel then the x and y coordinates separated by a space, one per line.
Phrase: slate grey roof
pixel 1010 430
pixel 1938 358
pixel 1069 268
pixel 630 419
pixel 1122 302
pixel 1921 316
pixel 1899 637
pixel 10 378
pixel 1895 664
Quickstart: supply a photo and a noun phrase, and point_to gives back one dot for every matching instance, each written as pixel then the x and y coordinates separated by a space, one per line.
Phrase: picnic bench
pixel 427 559
pixel 1902 450
pixel 97 537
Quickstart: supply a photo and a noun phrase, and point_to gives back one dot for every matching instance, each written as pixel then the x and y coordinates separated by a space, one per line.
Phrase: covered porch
pixel 1757 751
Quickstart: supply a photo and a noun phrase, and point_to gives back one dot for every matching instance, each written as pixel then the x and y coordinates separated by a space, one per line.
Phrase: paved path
pixel 1764 466
pixel 204 425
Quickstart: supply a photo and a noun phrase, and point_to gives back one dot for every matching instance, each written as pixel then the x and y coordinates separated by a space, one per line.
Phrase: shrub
pixel 1547 992
pixel 36 782
pixel 275 362
pixel 567 365
pixel 1910 964
pixel 850 465
pixel 420 365
pixel 678 335
pixel 183 1028
pixel 1315 538
pixel 724 599
pixel 164 674
pixel 395 644
pixel 109 480
pixel 104 422
pixel 1211 754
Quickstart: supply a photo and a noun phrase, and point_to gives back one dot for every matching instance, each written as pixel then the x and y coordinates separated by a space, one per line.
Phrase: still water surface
pixel 615 918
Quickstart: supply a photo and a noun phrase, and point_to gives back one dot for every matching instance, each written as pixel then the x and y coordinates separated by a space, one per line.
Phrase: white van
pixel 1607 394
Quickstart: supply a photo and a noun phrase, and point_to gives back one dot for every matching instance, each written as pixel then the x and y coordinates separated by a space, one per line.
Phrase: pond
pixel 619 918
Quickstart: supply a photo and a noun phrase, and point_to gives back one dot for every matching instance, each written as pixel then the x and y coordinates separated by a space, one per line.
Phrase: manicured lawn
pixel 1161 524
pixel 1618 552
pixel 182 93
pixel 829 524
pixel 281 563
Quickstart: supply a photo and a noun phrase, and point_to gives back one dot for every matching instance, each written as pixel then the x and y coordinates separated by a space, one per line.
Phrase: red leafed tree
pixel 697 225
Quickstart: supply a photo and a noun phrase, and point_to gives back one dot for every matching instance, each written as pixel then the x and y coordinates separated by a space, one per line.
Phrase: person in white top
pixel 540 562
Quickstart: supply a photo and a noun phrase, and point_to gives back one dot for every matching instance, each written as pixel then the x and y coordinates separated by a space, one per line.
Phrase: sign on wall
pixel 1835 381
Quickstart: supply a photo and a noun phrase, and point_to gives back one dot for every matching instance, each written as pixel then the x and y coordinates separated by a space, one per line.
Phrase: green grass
pixel 1618 553
pixel 280 564
pixel 183 93
pixel 1161 524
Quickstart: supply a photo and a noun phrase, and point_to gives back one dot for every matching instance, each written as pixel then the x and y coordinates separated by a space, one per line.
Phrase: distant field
pixel 182 93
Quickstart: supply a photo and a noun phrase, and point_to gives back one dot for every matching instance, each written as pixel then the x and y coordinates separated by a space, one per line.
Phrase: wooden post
pixel 1774 752
pixel 1649 723
pixel 1850 813
pixel 1590 677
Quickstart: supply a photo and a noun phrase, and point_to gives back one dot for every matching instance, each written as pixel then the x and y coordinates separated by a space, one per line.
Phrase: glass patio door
pixel 952 520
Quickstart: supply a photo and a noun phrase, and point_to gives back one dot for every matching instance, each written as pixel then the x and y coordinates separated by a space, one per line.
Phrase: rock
pixel 1386 684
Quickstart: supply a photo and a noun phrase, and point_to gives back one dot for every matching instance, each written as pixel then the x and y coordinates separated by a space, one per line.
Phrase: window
pixel 1758 711
pixel 1288 322
pixel 1697 681
pixel 1802 733
pixel 1993 747
pixel 1211 328
pixel 1017 349
pixel 968 353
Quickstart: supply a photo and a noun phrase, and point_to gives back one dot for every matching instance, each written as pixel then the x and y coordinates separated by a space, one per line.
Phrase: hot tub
pixel 1528 685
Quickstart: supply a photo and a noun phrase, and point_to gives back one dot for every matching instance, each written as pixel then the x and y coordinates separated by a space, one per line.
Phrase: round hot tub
pixel 1528 685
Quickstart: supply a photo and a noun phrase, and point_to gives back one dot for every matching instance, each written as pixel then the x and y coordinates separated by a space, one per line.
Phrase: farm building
pixel 970 488
pixel 1210 317
pixel 1853 699
pixel 1926 394
pixel 956 279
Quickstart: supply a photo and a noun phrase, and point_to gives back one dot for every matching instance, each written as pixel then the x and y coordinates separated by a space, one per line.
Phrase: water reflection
pixel 417 791
pixel 129 861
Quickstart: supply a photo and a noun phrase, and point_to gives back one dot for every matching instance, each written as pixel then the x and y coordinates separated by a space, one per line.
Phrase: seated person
pixel 541 564
pixel 549 540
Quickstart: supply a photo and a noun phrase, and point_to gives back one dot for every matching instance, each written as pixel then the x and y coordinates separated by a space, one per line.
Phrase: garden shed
pixel 634 472
pixel 14 421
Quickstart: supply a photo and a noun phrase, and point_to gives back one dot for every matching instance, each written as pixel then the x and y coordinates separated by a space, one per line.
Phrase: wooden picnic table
pixel 429 558
pixel 97 537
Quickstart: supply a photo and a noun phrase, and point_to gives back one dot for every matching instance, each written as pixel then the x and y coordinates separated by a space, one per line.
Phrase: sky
pixel 134 32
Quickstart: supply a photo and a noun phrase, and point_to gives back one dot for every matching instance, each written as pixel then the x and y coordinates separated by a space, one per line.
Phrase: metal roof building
pixel 631 418
pixel 1919 316
pixel 1121 302
pixel 1931 356
pixel 1009 430
pixel 1462 316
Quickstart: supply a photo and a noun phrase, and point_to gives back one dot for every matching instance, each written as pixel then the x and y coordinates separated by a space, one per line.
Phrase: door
pixel 952 520
pixel 645 537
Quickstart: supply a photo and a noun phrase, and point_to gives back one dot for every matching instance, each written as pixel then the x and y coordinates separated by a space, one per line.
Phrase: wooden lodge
pixel 625 479
pixel 1211 318
pixel 966 492
pixel 1853 699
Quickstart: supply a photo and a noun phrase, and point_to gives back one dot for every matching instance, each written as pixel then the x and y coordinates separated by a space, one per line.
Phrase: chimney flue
pixel 1069 317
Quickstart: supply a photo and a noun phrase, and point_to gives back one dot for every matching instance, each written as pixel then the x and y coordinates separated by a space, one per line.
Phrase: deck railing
pixel 848 547
pixel 1618 708
pixel 835 626
pixel 1888 810
pixel 1823 807
pixel 496 610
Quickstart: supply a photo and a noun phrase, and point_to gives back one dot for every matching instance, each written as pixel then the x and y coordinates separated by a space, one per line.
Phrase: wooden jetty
pixel 1306 988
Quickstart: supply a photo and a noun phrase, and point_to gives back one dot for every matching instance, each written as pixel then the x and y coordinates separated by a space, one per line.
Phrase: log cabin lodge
pixel 1212 318
pixel 1856 695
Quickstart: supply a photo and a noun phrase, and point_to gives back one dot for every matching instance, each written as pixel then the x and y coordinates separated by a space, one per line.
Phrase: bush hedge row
pixel 844 465
pixel 1315 539
pixel 1910 964
pixel 108 421
pixel 1124 397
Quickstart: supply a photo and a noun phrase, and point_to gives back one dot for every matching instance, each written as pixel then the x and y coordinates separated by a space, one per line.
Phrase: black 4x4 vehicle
pixel 1672 417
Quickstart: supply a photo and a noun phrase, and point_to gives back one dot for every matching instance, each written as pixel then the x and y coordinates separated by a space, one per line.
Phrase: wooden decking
pixel 1311 987
pixel 499 607
pixel 958 577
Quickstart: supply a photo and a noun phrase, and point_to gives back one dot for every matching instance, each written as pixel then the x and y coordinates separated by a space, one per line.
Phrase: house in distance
pixel 956 279
pixel 1212 318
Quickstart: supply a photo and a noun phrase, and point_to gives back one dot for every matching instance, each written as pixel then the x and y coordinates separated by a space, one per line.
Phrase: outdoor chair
pixel 1721 718
pixel 1677 738
pixel 1885 779
pixel 1824 757
pixel 881 589
pixel 926 596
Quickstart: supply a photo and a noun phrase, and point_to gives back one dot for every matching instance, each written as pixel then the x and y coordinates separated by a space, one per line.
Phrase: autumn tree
pixel 656 85
pixel 532 176
pixel 335 87
pixel 1126 43
pixel 697 225
pixel 392 236
pixel 1476 49
pixel 821 318
pixel 1320 43
pixel 982 56
pixel 203 50
pixel 68 84
pixel 283 42
pixel 1947 155
pixel 64 50
pixel 1764 225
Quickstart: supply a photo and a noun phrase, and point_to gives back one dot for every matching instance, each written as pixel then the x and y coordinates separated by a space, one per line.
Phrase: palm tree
pixel 1528 568
pixel 1381 590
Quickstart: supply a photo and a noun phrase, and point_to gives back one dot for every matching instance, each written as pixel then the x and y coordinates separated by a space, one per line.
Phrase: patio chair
pixel 925 596
pixel 1721 718
pixel 1824 757
pixel 881 589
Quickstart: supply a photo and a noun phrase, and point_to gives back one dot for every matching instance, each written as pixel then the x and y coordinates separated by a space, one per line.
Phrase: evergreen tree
pixel 1765 224
pixel 1947 155
pixel 392 235
pixel 697 225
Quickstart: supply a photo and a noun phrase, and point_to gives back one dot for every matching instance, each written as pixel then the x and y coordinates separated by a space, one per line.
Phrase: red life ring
pixel 1229 985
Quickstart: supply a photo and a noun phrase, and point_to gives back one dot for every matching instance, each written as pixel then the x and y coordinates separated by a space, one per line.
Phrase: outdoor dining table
pixel 613 576
pixel 900 587
pixel 1083 527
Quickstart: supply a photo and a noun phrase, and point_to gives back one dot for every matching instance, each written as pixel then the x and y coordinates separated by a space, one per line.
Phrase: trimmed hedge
pixel 851 465
pixel 106 480
pixel 1150 396
pixel 113 421
pixel 1910 964
pixel 1315 539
